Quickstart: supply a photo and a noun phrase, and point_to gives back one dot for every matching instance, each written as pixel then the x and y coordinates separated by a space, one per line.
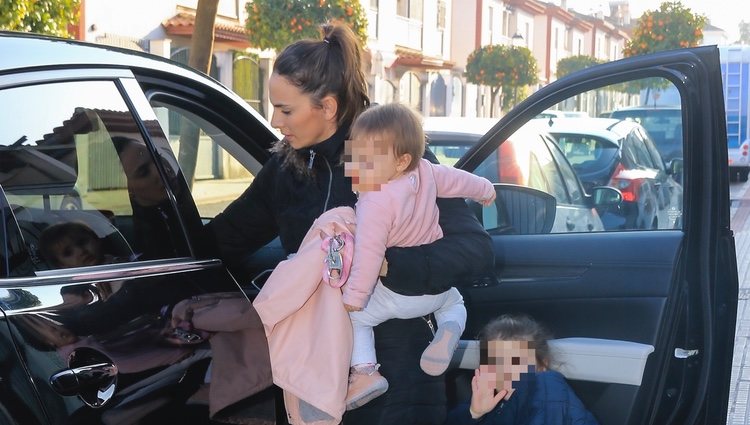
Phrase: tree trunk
pixel 201 50
pixel 493 97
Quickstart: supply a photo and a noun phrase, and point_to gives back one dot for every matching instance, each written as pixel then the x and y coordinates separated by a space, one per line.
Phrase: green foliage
pixel 672 26
pixel 572 64
pixel 40 16
pixel 502 68
pixel 274 24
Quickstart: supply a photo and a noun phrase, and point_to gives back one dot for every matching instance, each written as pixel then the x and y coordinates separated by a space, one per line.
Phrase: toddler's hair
pixel 398 125
pixel 57 233
pixel 509 327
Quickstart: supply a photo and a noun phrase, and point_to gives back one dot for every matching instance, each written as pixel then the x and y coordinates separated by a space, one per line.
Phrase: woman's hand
pixel 483 397
pixel 351 308
pixel 384 268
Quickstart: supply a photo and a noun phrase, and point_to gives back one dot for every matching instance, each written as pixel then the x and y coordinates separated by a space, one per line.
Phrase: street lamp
pixel 516 40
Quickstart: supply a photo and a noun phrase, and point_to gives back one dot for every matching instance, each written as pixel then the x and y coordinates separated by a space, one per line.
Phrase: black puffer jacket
pixel 290 192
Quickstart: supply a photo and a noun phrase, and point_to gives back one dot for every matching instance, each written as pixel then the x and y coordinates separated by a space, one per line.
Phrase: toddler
pixel 396 207
pixel 71 244
pixel 514 384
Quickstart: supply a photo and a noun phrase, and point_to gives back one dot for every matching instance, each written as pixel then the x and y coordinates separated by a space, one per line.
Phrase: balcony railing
pixel 413 30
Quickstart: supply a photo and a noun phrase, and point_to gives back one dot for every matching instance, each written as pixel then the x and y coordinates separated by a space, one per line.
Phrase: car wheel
pixel 743 174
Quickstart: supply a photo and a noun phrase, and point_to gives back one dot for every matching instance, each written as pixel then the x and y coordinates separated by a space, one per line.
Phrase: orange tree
pixel 672 26
pixel 572 64
pixel 273 24
pixel 39 16
pixel 502 68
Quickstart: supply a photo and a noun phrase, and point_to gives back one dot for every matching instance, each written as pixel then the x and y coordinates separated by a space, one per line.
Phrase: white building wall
pixel 525 26
pixel 557 46
pixel 463 30
pixel 539 46
pixel 578 46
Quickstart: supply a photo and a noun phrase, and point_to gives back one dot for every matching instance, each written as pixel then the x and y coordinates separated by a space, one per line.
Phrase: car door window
pixel 566 172
pixel 606 155
pixel 550 173
pixel 218 170
pixel 80 180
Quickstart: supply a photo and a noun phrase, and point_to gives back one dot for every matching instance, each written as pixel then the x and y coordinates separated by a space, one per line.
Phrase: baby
pixel 397 206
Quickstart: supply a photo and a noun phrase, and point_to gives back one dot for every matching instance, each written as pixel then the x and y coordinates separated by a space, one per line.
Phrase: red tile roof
pixel 225 30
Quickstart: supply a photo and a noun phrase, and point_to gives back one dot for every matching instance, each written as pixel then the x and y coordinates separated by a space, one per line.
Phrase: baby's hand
pixel 351 308
pixel 488 201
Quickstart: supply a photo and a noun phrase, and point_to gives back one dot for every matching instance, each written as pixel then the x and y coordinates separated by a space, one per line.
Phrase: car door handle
pixel 570 224
pixel 484 282
pixel 74 381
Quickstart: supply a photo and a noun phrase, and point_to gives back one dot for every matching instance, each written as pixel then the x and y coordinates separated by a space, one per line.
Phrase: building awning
pixel 225 31
pixel 415 59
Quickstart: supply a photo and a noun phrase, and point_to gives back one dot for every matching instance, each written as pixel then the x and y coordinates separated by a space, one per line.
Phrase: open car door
pixel 644 319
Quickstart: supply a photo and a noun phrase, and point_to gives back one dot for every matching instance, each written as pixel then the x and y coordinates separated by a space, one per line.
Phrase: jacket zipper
pixel 311 160
pixel 330 183
pixel 330 176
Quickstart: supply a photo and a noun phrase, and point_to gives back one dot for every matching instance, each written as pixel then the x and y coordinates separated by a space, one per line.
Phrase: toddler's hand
pixel 483 397
pixel 351 308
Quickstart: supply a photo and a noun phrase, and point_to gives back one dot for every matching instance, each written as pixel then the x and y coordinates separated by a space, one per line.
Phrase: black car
pixel 663 123
pixel 101 139
pixel 620 153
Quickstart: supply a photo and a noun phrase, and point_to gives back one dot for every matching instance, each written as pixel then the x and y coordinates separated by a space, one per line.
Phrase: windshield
pixel 663 125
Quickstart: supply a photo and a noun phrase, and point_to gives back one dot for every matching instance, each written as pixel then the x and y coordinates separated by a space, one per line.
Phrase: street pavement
pixel 739 395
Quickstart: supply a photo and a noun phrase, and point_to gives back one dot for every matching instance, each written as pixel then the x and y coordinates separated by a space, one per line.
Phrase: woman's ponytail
pixel 331 66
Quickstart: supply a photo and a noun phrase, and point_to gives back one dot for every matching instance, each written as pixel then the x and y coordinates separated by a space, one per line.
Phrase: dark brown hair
pixel 55 234
pixel 398 124
pixel 330 66
pixel 520 327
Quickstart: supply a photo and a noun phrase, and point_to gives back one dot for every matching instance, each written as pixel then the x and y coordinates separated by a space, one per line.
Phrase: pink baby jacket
pixel 403 213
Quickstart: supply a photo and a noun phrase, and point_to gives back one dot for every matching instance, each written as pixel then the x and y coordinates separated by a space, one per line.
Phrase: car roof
pixel 470 126
pixel 39 51
pixel 607 128
pixel 33 52
pixel 646 107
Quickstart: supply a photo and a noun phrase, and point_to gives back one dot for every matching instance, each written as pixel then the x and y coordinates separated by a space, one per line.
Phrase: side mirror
pixel 518 210
pixel 606 196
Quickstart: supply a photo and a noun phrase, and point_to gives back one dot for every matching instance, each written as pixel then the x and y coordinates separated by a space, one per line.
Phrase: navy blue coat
pixel 543 398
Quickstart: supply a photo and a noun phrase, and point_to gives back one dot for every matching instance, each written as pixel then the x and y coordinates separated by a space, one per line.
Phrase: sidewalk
pixel 739 392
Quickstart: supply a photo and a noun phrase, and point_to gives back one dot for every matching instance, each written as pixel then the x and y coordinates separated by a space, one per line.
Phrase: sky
pixel 725 14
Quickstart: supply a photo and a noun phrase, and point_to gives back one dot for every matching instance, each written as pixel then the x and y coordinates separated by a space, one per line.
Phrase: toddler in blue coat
pixel 514 385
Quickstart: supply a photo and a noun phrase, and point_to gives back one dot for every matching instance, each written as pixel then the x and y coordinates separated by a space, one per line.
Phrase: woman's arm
pixel 247 223
pixel 463 255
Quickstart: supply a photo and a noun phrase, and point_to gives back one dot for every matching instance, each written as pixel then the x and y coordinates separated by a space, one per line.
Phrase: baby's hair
pixel 509 327
pixel 398 125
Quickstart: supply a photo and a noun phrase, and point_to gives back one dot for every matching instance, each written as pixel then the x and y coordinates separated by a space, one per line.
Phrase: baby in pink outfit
pixel 396 207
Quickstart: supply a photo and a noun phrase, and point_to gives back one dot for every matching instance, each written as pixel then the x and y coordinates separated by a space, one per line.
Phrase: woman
pixel 317 88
